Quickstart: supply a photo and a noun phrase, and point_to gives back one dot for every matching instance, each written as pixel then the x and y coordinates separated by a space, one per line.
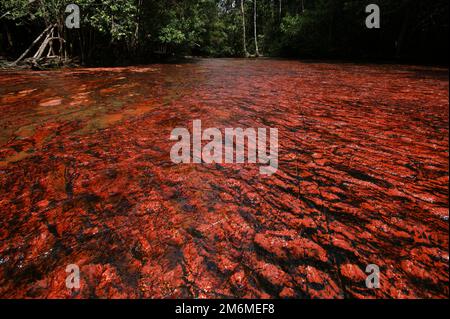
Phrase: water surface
pixel 86 179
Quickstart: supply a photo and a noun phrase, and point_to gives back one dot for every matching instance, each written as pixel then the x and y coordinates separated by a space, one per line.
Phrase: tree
pixel 243 28
pixel 255 27
pixel 123 31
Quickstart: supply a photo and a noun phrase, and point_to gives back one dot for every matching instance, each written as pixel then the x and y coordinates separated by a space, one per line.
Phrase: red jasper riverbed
pixel 86 179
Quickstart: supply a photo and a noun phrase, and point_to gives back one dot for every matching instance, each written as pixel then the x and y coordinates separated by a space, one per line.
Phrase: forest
pixel 138 31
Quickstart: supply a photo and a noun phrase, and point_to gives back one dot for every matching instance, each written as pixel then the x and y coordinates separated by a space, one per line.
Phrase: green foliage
pixel 115 18
pixel 291 25
pixel 170 34
pixel 15 10
pixel 303 28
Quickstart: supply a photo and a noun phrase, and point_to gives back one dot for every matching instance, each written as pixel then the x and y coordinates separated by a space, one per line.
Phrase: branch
pixel 32 44
pixel 4 15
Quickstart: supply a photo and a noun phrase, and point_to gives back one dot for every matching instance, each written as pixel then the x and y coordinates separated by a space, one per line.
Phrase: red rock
pixel 353 272
pixel 238 279
pixel 287 293
pixel 86 178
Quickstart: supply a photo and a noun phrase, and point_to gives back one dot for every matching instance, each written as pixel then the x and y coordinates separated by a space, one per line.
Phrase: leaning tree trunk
pixel 45 32
pixel 4 15
pixel 47 41
pixel 254 27
pixel 244 39
pixel 51 36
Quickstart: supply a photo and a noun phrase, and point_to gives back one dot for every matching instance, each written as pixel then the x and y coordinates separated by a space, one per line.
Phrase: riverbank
pixel 6 65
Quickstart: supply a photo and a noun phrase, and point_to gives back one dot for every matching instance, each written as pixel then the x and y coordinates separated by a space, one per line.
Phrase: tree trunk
pixel 272 9
pixel 244 39
pixel 48 42
pixel 403 32
pixel 254 27
pixel 82 52
pixel 279 10
pixel 41 49
pixel 136 42
pixel 32 44
pixel 4 15
pixel 8 35
pixel 66 53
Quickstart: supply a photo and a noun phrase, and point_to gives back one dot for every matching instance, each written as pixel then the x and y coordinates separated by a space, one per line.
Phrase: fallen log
pixel 43 45
pixel 32 44
pixel 48 40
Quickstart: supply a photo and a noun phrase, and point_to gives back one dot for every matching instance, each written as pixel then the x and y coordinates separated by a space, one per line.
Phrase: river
pixel 86 178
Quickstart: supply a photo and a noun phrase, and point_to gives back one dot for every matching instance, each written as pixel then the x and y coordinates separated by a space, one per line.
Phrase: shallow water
pixel 86 178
